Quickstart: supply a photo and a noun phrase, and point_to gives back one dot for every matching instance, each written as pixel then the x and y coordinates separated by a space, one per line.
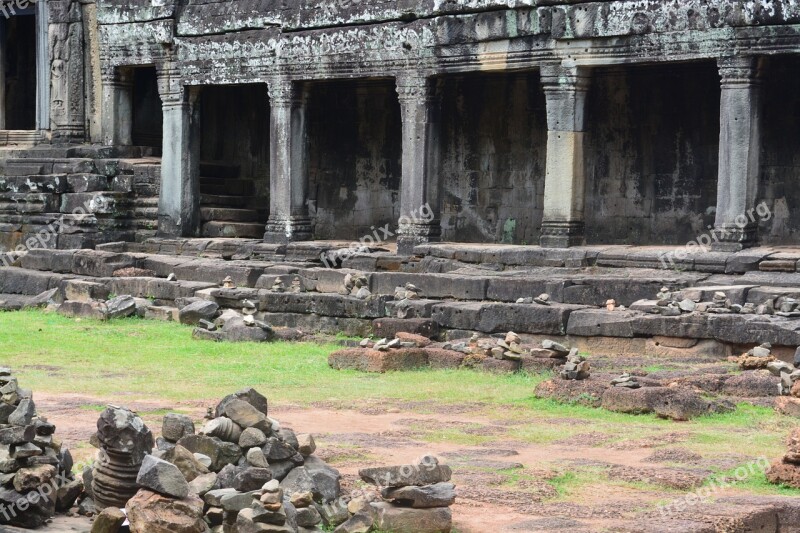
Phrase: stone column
pixel 739 152
pixel 288 217
pixel 117 107
pixel 565 90
pixel 420 107
pixel 179 200
pixel 2 73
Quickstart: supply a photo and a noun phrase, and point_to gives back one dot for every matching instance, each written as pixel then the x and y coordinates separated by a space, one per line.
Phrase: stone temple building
pixel 552 122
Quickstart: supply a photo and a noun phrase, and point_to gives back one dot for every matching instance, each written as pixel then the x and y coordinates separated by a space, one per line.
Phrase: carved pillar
pixel 62 69
pixel 3 52
pixel 420 106
pixel 117 107
pixel 739 152
pixel 565 90
pixel 288 216
pixel 179 200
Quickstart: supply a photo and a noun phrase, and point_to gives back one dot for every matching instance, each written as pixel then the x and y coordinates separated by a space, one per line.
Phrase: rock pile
pixel 407 351
pixel 786 471
pixel 413 498
pixel 357 285
pixel 232 326
pixel 675 303
pixel 34 467
pixel 124 441
pixel 626 381
pixel 86 306
pixel 577 368
pixel 242 473
pixel 757 359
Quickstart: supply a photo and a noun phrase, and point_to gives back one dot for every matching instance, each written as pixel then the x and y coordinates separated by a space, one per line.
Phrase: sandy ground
pixel 353 439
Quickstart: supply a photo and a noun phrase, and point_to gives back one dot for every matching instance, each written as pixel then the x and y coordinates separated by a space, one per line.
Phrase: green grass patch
pixel 161 360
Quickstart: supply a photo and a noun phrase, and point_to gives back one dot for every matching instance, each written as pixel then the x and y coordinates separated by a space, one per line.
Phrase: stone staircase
pixel 457 298
pixel 228 205
pixel 68 196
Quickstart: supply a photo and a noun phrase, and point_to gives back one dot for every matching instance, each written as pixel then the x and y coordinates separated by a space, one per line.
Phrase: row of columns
pixel 565 88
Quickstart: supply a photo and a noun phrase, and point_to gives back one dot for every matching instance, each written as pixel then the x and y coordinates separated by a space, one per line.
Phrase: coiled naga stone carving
pixel 124 440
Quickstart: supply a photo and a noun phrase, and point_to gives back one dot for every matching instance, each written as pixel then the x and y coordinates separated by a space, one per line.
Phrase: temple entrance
pixel 19 71
pixel 234 155
pixel 148 118
pixel 355 157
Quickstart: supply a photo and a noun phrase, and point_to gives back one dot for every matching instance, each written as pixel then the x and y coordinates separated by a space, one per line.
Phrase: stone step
pixel 233 230
pixel 233 187
pixel 224 200
pixel 219 169
pixel 223 214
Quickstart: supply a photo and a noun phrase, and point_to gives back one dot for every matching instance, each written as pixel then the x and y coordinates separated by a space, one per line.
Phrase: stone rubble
pixel 786 471
pixel 261 477
pixel 35 466
pixel 413 498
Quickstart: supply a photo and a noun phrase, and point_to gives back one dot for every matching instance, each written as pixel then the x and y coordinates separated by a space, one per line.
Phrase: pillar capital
pixel 170 85
pixel 286 93
pixel 415 89
pixel 740 70
pixel 561 78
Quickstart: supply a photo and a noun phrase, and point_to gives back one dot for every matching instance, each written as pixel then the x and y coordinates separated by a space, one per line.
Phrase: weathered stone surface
pixel 27 479
pixel 108 521
pixel 221 453
pixel 368 360
pixel 436 495
pixel 186 462
pixel 427 471
pixel 250 396
pixel 197 311
pixel 34 516
pixel 177 426
pixel 149 512
pixel 407 520
pixel 162 477
pixel 246 415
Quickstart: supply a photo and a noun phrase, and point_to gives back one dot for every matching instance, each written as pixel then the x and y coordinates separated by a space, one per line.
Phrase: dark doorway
pixel 19 43
pixel 148 120
pixel 234 155
pixel 355 157
pixel 494 145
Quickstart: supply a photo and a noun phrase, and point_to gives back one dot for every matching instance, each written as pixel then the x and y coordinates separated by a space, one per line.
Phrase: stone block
pixel 366 360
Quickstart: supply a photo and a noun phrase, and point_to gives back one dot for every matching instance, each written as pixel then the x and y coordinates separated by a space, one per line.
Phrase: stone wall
pixel 653 137
pixel 354 158
pixel 493 150
pixel 458 119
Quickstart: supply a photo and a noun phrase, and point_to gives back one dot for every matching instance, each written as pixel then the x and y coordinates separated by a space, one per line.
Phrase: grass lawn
pixel 160 360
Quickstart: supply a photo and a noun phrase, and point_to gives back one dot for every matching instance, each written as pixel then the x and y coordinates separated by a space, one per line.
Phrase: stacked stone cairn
pixel 786 471
pixel 577 368
pixel 241 473
pixel 228 326
pixel 413 498
pixel 357 285
pixel 34 466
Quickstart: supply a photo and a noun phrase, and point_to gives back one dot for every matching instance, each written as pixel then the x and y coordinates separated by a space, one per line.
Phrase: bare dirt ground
pixel 503 483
